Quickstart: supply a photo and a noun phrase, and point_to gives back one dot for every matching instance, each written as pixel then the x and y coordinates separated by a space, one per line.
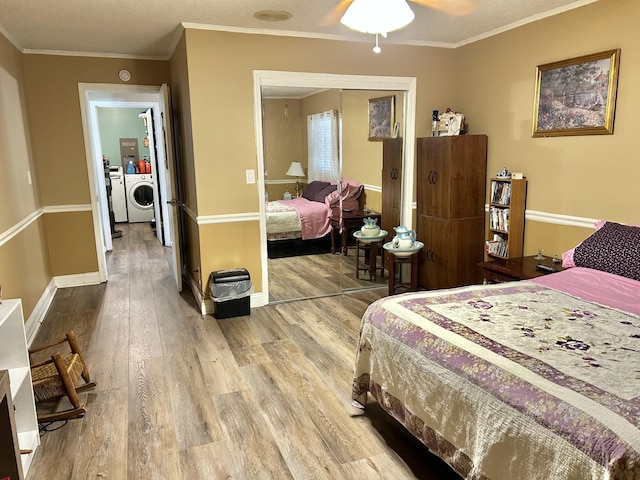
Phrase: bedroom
pixel 492 84
pixel 218 203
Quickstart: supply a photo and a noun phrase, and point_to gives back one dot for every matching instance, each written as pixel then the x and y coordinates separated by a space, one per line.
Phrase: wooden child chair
pixel 58 377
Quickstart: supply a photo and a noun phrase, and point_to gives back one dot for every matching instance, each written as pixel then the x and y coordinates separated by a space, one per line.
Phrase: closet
pixel 451 178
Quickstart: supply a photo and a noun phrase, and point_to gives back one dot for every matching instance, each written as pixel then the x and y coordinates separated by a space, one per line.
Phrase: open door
pixel 172 239
pixel 158 178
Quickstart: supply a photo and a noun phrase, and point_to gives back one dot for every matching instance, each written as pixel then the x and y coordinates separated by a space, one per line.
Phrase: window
pixel 322 138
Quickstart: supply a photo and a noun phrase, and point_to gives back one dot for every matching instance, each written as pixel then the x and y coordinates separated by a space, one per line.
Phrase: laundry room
pixel 127 159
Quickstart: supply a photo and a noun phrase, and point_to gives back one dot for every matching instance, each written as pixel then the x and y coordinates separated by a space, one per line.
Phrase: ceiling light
pixel 272 15
pixel 377 16
pixel 377 48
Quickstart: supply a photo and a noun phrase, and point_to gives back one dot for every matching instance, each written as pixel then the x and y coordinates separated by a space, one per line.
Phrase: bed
pixel 310 216
pixel 537 379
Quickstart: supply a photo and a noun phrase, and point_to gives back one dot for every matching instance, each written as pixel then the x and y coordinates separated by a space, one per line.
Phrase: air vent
pixel 272 15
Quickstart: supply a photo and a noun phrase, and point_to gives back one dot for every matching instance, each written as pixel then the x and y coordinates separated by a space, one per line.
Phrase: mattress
pixel 521 380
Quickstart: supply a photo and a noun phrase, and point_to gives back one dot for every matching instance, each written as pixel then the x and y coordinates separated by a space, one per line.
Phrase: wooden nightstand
pixel 350 222
pixel 520 268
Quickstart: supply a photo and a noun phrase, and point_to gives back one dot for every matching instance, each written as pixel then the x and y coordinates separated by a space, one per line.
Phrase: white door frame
pixel 92 96
pixel 348 82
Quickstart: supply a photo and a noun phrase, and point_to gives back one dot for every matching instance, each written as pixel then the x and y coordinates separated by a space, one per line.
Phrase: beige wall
pixel 221 66
pixel 587 176
pixel 24 258
pixel 282 134
pixel 362 159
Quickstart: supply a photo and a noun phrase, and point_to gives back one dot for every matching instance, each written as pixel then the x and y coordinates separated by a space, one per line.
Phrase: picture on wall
pixel 381 117
pixel 576 96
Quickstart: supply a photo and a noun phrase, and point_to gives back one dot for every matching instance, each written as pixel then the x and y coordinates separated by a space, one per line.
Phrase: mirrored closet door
pixel 304 128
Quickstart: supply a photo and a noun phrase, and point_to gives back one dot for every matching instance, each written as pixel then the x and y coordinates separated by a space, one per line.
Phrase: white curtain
pixel 322 137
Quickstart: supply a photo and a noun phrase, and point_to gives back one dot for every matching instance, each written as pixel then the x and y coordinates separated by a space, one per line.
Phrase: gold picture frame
pixel 576 96
pixel 381 117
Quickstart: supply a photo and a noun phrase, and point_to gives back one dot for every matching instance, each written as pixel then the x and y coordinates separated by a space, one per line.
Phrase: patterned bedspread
pixel 509 381
pixel 297 218
pixel 283 221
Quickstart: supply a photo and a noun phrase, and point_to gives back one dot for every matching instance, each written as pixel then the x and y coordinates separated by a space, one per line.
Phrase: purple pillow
pixel 614 248
pixel 311 191
pixel 324 192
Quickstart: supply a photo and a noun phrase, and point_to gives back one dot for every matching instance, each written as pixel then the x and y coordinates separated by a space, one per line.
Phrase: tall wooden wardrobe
pixel 451 178
pixel 391 183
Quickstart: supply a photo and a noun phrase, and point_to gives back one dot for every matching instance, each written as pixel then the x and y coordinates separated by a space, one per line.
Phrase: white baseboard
pixel 64 281
pixel 36 318
pixel 193 286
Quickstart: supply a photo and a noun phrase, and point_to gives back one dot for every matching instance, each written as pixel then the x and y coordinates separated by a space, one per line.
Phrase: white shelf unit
pixel 14 357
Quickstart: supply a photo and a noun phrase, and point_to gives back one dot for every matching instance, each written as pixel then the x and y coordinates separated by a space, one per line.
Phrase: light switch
pixel 251 176
pixel 29 176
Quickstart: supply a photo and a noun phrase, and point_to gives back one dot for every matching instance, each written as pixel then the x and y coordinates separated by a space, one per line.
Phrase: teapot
pixel 405 237
pixel 370 227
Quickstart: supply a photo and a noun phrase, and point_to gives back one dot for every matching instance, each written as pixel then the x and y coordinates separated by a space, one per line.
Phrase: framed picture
pixel 381 117
pixel 576 96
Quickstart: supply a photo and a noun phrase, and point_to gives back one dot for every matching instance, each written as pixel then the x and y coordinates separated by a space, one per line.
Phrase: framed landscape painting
pixel 576 96
pixel 381 117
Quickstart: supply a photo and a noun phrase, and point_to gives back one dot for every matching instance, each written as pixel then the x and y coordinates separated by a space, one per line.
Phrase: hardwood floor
pixel 309 276
pixel 181 395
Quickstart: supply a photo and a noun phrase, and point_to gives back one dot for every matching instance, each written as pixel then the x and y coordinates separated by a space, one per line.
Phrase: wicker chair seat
pixel 47 384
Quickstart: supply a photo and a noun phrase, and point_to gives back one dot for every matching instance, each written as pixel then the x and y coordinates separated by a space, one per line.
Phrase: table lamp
pixel 295 170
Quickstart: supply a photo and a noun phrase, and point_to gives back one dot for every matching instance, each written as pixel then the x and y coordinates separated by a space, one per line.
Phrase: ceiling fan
pixel 452 7
pixel 380 17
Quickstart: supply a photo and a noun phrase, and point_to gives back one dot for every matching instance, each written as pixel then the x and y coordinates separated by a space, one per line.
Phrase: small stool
pixel 372 268
pixel 395 264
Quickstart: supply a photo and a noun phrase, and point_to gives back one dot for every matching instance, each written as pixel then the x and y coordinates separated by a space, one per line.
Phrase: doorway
pixel 154 106
pixel 406 85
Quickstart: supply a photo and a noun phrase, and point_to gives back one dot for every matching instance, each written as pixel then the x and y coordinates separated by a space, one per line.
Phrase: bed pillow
pixel 311 191
pixel 350 189
pixel 322 194
pixel 613 248
pixel 567 257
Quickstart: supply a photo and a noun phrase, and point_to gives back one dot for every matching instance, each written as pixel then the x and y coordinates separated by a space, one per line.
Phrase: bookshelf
pixel 14 358
pixel 507 199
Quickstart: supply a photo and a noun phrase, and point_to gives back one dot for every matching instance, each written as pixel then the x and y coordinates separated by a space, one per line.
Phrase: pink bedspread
pixel 600 287
pixel 315 217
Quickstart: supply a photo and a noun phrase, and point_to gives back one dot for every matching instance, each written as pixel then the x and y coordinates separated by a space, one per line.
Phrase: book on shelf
pixel 498 248
pixel 499 219
pixel 500 192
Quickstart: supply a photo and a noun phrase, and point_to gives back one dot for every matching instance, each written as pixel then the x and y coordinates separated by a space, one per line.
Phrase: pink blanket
pixel 315 217
pixel 601 287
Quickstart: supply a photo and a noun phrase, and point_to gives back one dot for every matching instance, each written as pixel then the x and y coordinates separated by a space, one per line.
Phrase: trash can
pixel 231 292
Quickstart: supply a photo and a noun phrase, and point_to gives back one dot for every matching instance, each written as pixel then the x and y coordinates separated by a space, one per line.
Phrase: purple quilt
pixel 514 381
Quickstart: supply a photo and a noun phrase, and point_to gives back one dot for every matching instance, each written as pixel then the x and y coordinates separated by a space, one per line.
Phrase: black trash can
pixel 231 292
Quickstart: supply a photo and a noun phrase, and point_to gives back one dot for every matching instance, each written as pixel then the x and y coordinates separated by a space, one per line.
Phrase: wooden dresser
pixel 391 183
pixel 451 179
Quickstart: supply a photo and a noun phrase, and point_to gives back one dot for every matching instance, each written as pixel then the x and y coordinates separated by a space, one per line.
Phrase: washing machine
pixel 139 189
pixel 118 195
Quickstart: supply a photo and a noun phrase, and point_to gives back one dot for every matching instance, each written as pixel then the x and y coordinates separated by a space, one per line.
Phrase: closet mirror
pixel 320 163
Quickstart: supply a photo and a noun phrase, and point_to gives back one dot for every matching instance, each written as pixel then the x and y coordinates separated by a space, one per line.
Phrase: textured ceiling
pixel 149 28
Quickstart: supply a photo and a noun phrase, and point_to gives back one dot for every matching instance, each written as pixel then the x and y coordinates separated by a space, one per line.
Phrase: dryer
pixel 139 189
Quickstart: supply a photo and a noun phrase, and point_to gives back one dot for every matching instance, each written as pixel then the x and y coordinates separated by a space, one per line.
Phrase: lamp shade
pixel 295 170
pixel 377 16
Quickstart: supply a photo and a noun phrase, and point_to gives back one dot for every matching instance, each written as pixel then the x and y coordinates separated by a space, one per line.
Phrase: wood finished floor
pixel 308 276
pixel 186 396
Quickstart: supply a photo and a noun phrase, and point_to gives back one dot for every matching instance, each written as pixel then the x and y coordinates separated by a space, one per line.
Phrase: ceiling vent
pixel 272 15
